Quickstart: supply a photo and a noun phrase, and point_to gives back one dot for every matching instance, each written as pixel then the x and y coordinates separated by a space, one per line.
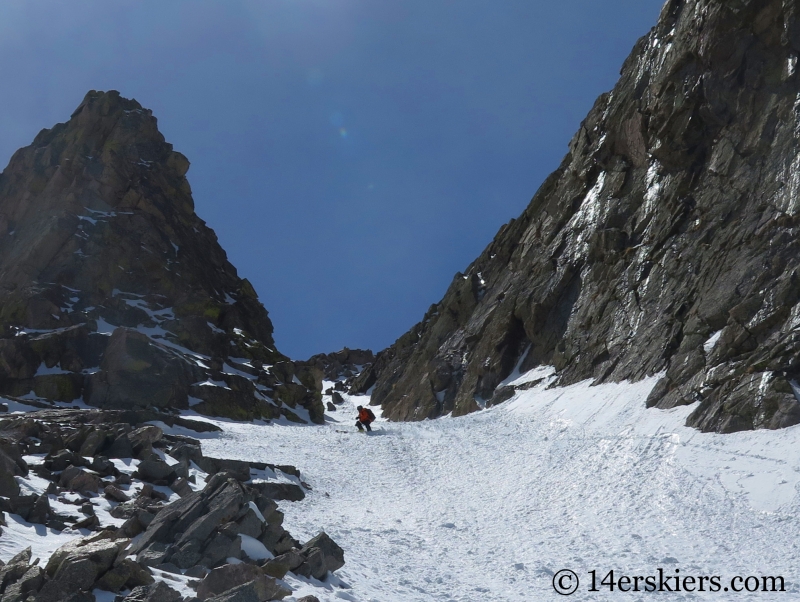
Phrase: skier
pixel 365 417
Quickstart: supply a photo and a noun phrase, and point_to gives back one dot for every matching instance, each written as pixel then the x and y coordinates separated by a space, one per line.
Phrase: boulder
pixel 120 448
pixel 314 565
pixel 187 452
pixel 21 504
pixel 77 566
pixel 226 577
pixel 188 555
pixel 63 458
pixel 181 487
pixel 154 554
pixel 221 547
pixel 8 469
pixel 280 491
pixel 77 479
pixel 104 467
pixel 8 484
pixel 16 568
pixel 154 469
pixel 27 585
pixel 125 574
pixel 237 469
pixel 332 553
pixel 115 494
pixel 90 522
pixel 82 561
pixel 40 511
pixel 280 565
pixel 94 441
pixel 143 439
pixel 261 589
pixel 156 592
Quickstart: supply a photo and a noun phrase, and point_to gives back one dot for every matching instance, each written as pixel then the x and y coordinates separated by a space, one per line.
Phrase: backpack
pixel 371 415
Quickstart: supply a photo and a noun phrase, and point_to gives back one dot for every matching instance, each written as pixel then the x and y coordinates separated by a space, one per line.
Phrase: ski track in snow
pixel 488 506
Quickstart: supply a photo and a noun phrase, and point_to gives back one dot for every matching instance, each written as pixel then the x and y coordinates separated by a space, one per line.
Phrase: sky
pixel 351 155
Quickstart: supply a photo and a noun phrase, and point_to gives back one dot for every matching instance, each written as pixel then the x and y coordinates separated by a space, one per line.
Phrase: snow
pixel 179 583
pixel 254 549
pixel 487 507
pixel 709 345
pixel 215 328
pixel 227 369
pixel 44 370
pixel 653 188
pixel 104 327
pixel 20 534
pixel 587 218
pixel 209 382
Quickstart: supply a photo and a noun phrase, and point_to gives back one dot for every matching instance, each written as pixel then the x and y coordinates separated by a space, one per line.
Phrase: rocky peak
pixel 113 289
pixel 665 243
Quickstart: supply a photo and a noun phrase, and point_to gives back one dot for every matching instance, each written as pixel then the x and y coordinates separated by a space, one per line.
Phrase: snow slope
pixel 487 507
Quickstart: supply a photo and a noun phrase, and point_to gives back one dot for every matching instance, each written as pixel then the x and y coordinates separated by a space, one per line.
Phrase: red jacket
pixel 365 416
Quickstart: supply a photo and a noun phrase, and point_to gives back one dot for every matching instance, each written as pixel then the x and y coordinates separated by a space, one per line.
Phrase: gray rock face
pixel 280 491
pixel 333 555
pixel 260 589
pixel 197 534
pixel 666 242
pixel 342 364
pixel 157 592
pixel 113 290
pixel 226 577
pixel 76 566
pixel 205 527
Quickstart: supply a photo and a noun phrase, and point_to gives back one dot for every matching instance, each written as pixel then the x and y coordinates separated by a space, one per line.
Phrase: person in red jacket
pixel 365 418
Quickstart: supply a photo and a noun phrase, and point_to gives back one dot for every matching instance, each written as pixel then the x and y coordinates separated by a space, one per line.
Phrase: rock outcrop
pixel 220 524
pixel 666 242
pixel 113 290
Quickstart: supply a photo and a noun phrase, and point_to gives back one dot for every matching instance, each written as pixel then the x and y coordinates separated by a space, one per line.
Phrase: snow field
pixel 487 507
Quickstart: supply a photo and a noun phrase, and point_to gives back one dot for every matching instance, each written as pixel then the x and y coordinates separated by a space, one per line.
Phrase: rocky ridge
pixel 341 371
pixel 112 289
pixel 209 523
pixel 665 243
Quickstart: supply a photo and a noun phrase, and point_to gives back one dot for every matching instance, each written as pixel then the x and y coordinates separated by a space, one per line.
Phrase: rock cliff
pixel 113 290
pixel 666 241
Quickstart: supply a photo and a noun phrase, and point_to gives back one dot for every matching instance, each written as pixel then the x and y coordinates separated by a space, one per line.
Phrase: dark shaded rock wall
pixel 111 287
pixel 674 217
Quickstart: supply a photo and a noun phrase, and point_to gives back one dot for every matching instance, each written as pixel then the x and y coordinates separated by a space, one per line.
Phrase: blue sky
pixel 351 155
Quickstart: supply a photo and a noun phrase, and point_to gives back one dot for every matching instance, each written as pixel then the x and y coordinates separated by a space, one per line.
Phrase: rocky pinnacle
pixel 113 290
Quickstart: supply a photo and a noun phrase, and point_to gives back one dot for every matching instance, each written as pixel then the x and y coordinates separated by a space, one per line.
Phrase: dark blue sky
pixel 351 155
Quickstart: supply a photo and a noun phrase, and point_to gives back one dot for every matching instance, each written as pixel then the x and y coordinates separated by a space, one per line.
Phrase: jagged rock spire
pixel 98 235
